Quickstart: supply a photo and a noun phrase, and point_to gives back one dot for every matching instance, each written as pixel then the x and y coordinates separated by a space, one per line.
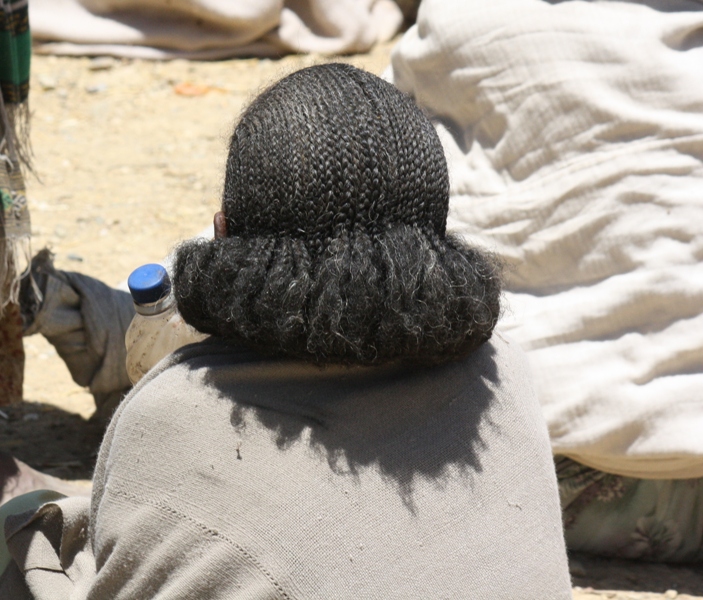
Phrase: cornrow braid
pixel 336 197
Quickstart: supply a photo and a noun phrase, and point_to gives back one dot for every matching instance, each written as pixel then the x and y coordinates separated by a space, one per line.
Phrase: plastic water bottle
pixel 157 329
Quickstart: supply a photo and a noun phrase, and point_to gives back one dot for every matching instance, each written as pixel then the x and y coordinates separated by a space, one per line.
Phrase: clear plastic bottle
pixel 157 329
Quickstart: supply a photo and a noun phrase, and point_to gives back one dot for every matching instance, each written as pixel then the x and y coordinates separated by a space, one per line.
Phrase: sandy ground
pixel 129 157
pixel 127 167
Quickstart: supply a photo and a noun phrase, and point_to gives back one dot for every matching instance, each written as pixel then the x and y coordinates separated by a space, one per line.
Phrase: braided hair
pixel 336 196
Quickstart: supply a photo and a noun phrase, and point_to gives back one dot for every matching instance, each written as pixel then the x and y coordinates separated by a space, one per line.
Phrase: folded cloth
pixel 211 29
pixel 51 557
pixel 85 320
pixel 574 132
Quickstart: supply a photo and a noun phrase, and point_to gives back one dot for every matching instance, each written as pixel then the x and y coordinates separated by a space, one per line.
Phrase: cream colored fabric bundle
pixel 211 29
pixel 225 476
pixel 574 133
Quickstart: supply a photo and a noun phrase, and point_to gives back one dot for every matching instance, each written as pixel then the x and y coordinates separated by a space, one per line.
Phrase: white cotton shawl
pixel 227 476
pixel 574 134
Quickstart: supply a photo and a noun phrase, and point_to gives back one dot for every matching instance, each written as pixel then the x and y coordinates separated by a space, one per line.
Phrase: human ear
pixel 220 224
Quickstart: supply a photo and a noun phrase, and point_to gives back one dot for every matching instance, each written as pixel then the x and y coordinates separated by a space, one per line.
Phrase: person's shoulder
pixel 182 378
pixel 499 372
pixel 509 355
pixel 500 358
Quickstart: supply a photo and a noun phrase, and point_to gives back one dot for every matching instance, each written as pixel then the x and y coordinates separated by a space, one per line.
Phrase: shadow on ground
pixel 50 440
pixel 618 574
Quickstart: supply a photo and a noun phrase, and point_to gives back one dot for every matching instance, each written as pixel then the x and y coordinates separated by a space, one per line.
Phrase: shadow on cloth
pixel 393 418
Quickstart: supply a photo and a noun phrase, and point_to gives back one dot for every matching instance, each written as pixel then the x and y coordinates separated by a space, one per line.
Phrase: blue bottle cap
pixel 149 283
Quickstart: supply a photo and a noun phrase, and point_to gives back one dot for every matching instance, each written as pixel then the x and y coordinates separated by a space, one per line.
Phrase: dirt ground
pixel 129 158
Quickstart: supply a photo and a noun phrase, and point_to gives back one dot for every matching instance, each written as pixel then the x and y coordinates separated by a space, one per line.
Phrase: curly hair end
pixel 369 299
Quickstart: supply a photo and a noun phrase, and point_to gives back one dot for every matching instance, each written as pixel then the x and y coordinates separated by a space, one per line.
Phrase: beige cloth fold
pixel 211 29
pixel 52 558
pixel 574 132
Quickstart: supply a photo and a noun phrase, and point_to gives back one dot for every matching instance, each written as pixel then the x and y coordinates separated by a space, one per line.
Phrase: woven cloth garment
pixel 574 132
pixel 15 227
pixel 644 519
pixel 223 475
pixel 15 52
pixel 211 29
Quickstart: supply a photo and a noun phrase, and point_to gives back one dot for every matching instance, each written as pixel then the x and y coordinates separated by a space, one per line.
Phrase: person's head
pixel 331 245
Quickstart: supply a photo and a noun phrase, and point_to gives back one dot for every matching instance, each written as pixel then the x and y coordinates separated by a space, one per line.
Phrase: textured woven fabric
pixel 574 132
pixel 645 519
pixel 15 229
pixel 226 476
pixel 15 51
pixel 15 54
